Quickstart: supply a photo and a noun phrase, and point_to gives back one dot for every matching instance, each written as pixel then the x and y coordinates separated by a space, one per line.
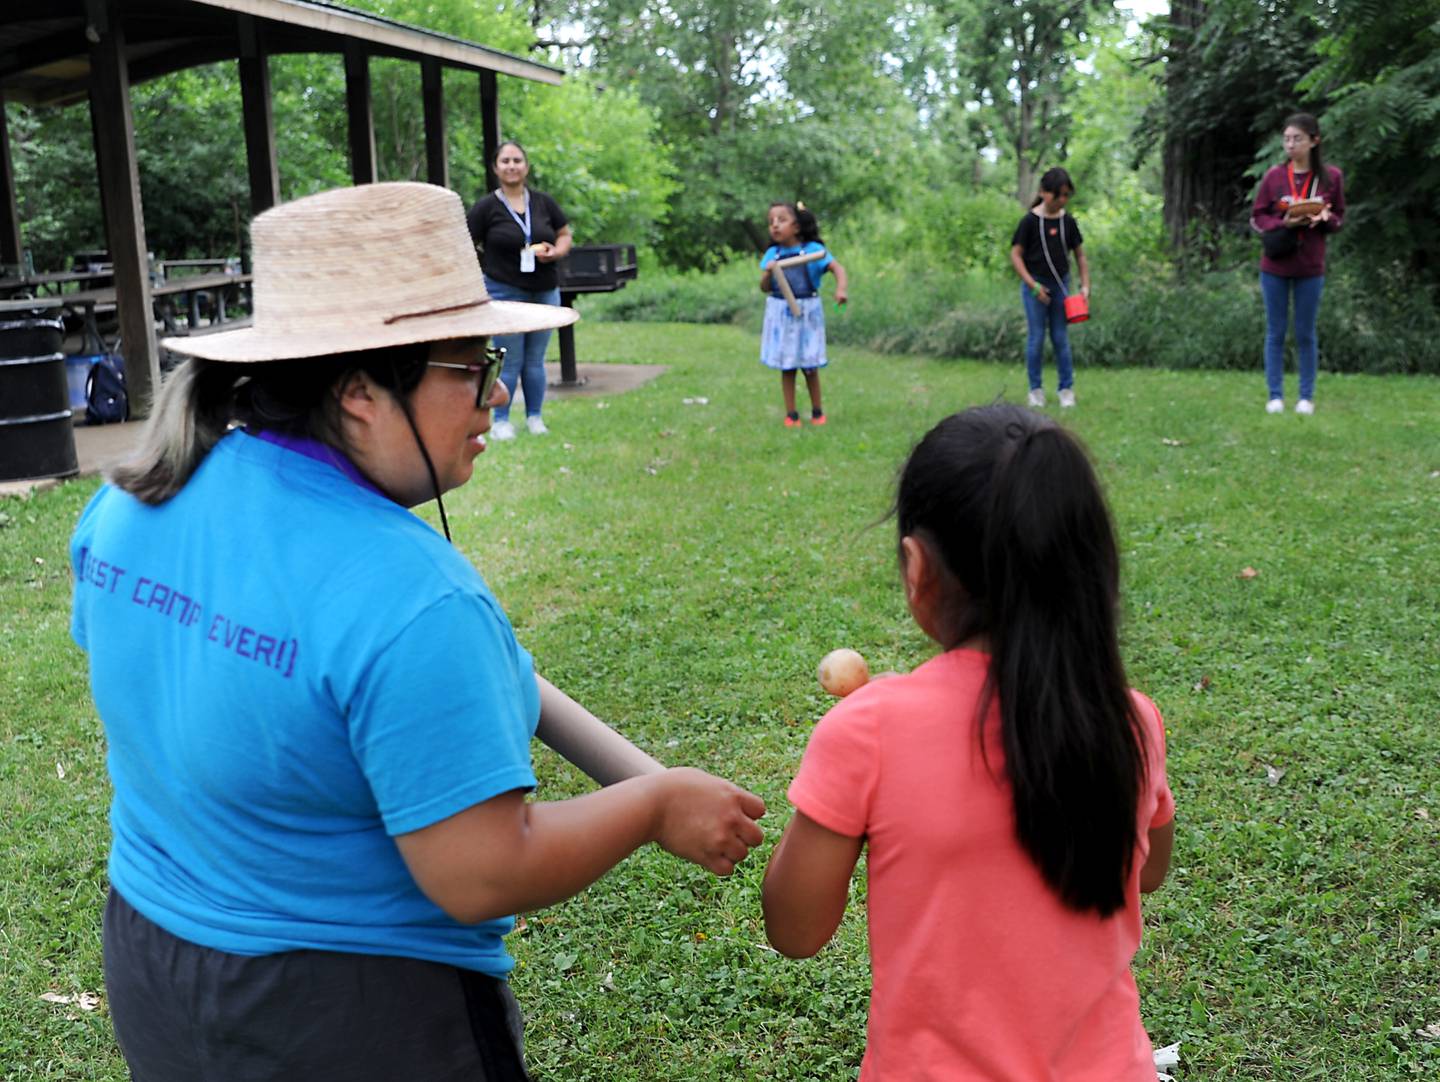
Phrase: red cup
pixel 1077 308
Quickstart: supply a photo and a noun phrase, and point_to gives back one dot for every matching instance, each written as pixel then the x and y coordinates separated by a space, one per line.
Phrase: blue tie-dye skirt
pixel 788 342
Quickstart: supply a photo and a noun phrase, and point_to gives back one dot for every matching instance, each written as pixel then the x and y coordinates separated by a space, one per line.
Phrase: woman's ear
pixel 359 397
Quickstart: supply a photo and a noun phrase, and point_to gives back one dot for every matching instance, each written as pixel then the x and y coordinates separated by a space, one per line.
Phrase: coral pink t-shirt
pixel 978 971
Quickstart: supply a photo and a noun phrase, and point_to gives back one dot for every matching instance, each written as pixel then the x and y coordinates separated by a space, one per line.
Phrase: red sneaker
pixel 792 420
pixel 817 419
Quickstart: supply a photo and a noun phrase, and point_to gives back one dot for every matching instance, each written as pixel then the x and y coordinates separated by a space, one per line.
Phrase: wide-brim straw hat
pixel 363 268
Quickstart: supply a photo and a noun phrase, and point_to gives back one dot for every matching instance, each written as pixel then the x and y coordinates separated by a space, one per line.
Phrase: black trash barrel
pixel 37 436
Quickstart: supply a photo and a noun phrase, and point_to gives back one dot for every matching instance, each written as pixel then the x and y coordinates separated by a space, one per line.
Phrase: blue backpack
pixel 106 400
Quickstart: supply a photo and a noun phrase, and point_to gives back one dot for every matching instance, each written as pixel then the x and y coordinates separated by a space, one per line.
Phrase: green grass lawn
pixel 681 568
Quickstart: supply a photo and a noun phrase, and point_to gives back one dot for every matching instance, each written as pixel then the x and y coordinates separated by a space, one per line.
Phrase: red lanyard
pixel 1309 182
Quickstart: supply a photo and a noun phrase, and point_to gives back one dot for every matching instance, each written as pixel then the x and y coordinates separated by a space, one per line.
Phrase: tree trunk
pixel 1182 159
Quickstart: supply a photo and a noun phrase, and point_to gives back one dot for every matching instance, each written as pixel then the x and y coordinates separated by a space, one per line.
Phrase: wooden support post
pixel 120 184
pixel 490 120
pixel 432 93
pixel 259 117
pixel 12 245
pixel 360 115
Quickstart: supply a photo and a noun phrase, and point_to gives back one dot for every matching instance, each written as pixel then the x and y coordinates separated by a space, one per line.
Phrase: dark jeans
pixel 185 1013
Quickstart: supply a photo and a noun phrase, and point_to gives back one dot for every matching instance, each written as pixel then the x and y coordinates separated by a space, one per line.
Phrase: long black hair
pixel 1008 501
pixel 1311 127
pixel 1055 180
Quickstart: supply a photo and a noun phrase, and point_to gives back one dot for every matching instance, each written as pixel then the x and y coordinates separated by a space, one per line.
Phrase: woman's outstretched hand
pixel 706 820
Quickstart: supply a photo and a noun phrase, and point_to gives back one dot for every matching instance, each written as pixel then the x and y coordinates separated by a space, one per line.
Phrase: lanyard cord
pixel 1046 249
pixel 1309 182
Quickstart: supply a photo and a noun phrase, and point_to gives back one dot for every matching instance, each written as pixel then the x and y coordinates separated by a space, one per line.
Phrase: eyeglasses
pixel 489 370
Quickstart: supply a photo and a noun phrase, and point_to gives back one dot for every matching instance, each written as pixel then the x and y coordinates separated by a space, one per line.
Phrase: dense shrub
pixel 1143 311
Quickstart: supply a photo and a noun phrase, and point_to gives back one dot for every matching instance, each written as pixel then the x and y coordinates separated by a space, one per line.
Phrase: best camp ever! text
pixel 167 602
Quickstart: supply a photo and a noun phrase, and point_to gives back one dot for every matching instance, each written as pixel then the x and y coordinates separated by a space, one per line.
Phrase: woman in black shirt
pixel 521 234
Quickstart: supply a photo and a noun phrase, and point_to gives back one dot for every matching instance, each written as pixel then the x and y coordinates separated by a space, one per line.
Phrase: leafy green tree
pixel 1019 62
pixel 1229 69
pixel 55 183
pixel 758 100
pixel 1379 70
pixel 599 153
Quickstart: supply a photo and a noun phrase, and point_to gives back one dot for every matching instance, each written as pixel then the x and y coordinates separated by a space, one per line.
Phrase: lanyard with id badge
pixel 527 253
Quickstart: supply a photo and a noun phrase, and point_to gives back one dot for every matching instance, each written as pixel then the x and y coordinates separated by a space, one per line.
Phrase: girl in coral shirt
pixel 1011 791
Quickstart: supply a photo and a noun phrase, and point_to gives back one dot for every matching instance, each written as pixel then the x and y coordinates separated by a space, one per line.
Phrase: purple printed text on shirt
pixel 276 652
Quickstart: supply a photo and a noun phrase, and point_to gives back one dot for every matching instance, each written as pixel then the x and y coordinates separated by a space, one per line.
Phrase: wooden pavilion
pixel 60 51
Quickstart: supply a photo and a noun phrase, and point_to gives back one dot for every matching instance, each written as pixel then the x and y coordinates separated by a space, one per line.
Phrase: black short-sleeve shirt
pixel 1027 236
pixel 500 239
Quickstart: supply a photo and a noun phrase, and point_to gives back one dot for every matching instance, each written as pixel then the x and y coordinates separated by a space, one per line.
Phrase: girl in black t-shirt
pixel 1039 252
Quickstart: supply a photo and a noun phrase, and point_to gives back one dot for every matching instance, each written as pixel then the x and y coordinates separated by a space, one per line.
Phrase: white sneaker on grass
pixel 1067 399
pixel 535 425
pixel 1275 405
pixel 1305 407
pixel 1037 398
pixel 502 430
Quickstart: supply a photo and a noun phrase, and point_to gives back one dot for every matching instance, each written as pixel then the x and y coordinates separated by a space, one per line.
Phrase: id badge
pixel 527 260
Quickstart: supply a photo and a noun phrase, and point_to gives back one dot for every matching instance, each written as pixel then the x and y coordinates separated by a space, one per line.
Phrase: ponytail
pixel 1011 502
pixel 190 415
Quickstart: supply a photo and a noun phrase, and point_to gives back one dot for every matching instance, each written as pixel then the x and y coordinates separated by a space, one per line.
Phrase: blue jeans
pixel 1039 317
pixel 524 353
pixel 1277 292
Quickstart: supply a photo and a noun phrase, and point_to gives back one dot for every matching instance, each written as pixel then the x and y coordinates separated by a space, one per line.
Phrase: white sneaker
pixel 535 425
pixel 1305 406
pixel 502 430
pixel 1067 399
pixel 1276 405
pixel 1037 398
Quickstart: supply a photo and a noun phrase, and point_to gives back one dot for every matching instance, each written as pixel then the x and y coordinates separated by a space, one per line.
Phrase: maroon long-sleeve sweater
pixel 1307 261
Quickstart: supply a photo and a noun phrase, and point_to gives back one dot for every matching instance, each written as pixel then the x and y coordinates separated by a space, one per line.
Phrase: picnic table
pixel 52 283
pixel 170 299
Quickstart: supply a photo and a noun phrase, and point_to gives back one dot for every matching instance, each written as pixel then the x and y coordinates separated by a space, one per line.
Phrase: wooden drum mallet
pixel 778 268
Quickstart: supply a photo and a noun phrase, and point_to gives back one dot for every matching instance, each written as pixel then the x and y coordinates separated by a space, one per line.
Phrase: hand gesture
pixel 544 251
pixel 707 820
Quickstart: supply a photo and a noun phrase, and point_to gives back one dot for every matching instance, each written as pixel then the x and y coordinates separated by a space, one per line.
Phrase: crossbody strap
pixel 1046 249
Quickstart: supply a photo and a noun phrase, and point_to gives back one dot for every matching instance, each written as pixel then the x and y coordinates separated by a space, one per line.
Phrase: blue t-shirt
pixel 291 669
pixel 805 279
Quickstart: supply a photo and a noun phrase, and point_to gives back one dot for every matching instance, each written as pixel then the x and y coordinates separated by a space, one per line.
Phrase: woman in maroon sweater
pixel 1298 272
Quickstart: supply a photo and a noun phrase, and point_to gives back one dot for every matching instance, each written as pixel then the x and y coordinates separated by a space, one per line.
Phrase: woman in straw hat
pixel 318 715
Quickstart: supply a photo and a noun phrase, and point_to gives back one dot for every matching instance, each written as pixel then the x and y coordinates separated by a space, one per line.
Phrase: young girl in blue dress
pixel 789 342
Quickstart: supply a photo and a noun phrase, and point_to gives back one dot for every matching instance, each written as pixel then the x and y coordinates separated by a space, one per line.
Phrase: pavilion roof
pixel 45 54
